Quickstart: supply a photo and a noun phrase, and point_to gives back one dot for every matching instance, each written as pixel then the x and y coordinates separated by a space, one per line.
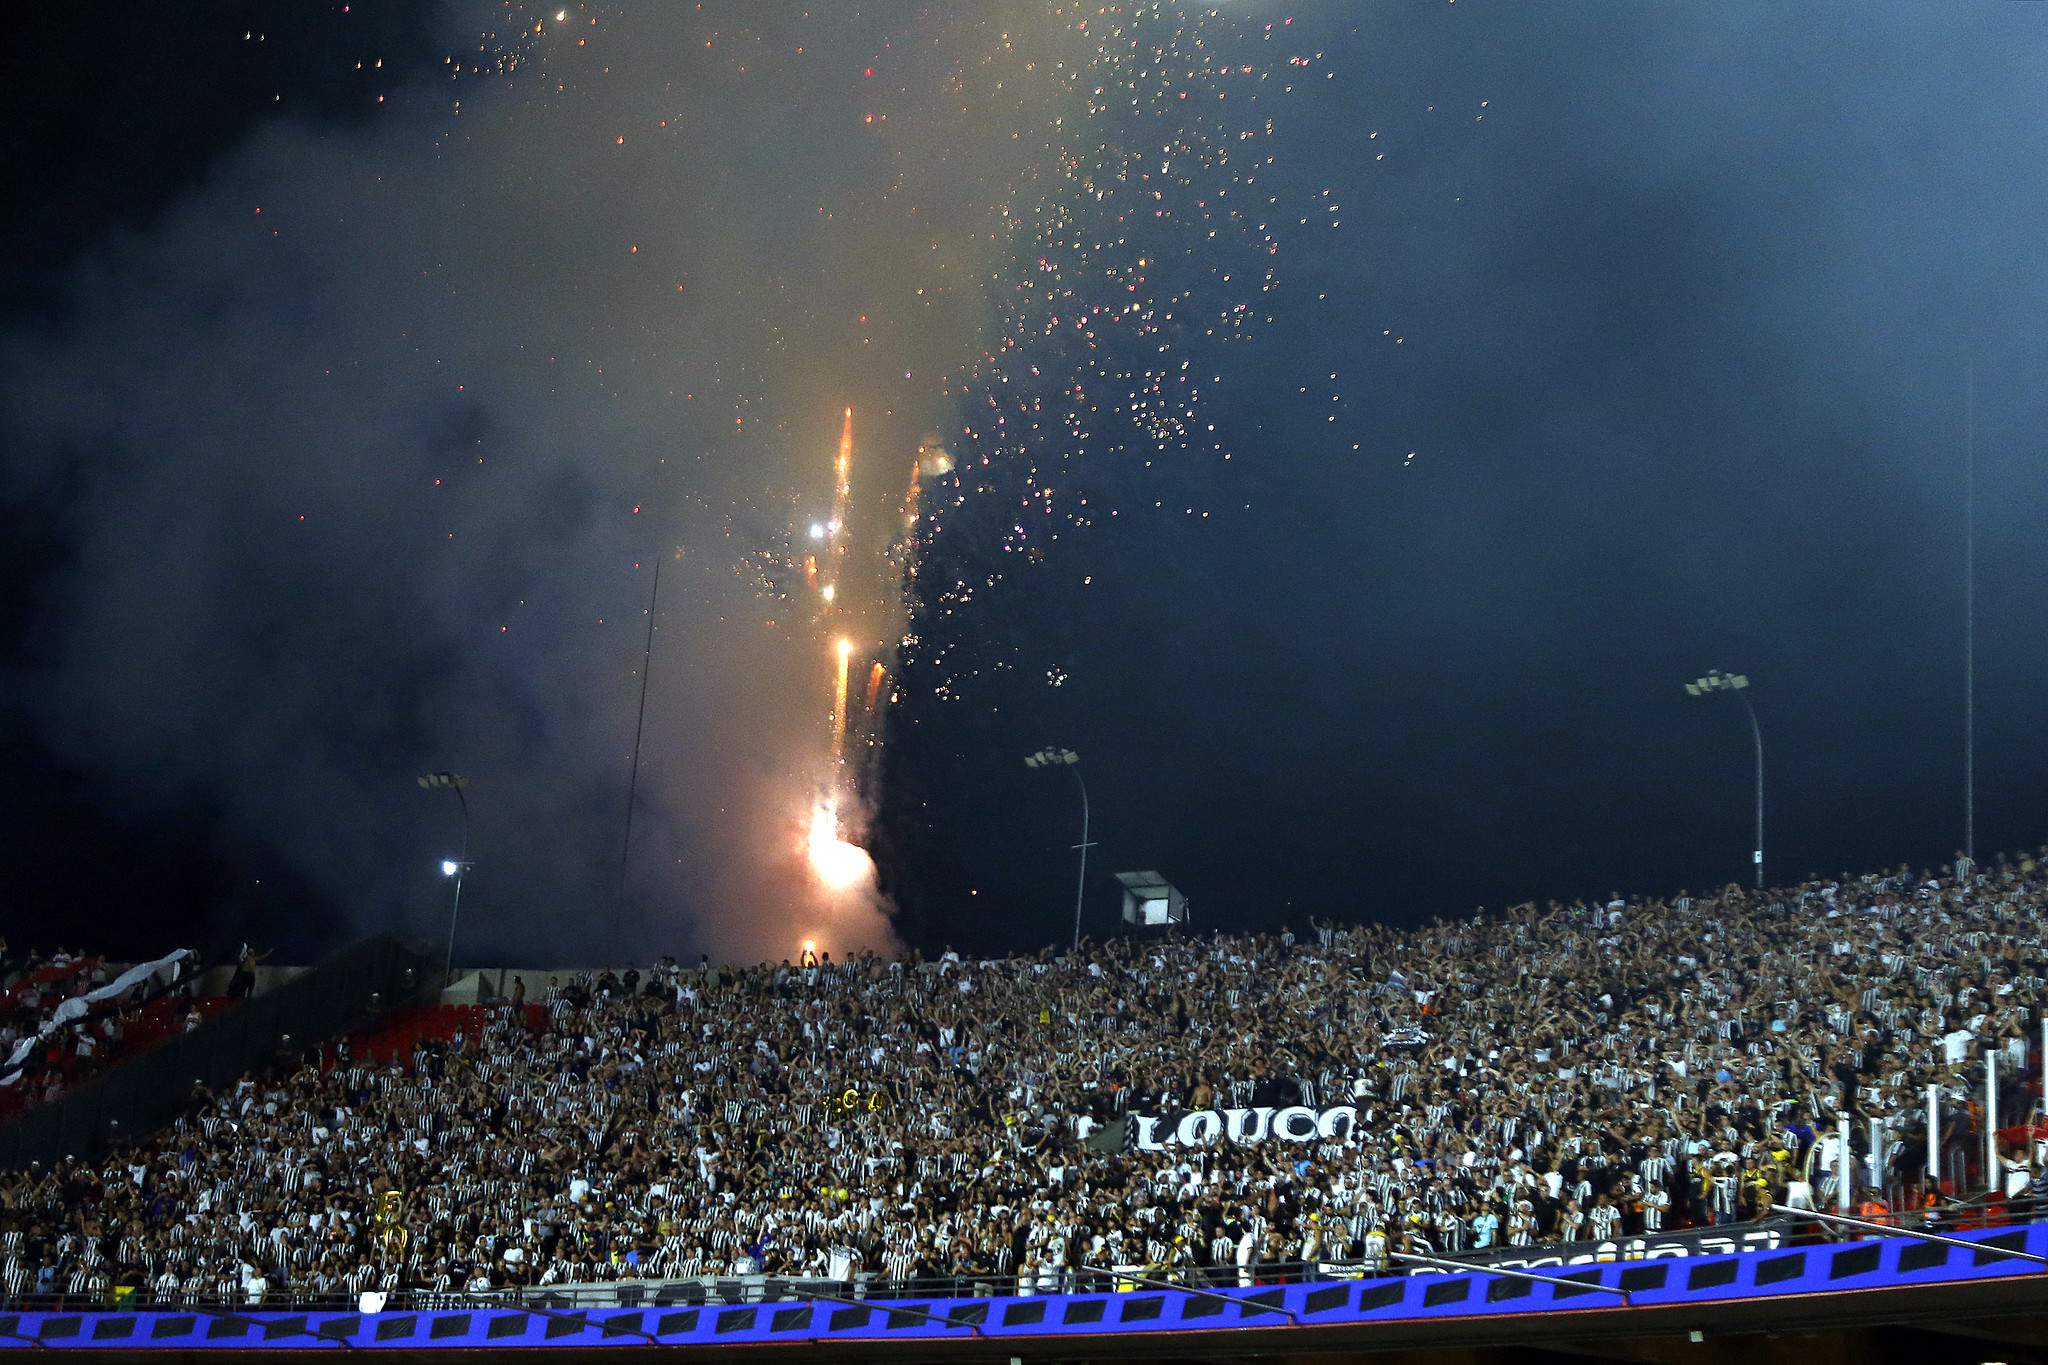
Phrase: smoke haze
pixel 369 449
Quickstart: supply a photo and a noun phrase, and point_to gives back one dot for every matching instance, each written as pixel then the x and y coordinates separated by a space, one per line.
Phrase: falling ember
pixel 874 685
pixel 838 865
pixel 933 459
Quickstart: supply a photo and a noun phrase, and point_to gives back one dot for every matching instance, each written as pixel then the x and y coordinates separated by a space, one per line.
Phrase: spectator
pixel 242 984
pixel 1537 1075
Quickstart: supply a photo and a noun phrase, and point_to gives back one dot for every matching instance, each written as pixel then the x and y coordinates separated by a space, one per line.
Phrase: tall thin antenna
pixel 1970 611
pixel 639 728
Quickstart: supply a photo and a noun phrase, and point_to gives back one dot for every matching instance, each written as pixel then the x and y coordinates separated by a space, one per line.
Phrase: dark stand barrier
pixel 351 987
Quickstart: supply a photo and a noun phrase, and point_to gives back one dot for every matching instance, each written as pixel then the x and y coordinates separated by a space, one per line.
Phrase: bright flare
pixel 838 865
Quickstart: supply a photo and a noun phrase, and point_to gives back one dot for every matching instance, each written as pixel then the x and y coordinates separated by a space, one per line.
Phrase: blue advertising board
pixel 1875 1264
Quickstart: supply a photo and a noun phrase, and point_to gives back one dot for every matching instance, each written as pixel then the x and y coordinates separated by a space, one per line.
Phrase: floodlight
pixel 1068 759
pixel 1717 681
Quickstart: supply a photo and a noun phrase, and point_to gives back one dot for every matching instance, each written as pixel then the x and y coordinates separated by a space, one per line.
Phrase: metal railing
pixel 725 1291
pixel 1790 1228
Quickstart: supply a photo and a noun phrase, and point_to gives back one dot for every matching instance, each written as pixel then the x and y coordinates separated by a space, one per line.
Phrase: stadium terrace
pixel 1546 1079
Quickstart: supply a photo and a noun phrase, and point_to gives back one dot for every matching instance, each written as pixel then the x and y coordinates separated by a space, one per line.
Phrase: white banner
pixel 1208 1127
pixel 77 1006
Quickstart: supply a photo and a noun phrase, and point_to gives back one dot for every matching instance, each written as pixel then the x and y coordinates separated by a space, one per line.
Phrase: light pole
pixel 1071 761
pixel 1738 683
pixel 456 866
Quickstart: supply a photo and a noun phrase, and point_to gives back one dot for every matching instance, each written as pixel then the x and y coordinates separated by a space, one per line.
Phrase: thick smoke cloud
pixel 370 448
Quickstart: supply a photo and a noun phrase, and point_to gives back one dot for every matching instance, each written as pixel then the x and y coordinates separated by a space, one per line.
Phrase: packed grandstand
pixel 1221 1108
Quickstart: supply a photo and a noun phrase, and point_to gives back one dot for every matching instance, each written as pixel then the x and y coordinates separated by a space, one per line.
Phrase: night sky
pixel 1645 332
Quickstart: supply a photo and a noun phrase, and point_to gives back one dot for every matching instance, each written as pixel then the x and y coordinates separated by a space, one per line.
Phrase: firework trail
pixel 839 865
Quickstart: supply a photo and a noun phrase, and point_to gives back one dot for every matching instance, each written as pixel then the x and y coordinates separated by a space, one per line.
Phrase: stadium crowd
pixel 1543 1074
